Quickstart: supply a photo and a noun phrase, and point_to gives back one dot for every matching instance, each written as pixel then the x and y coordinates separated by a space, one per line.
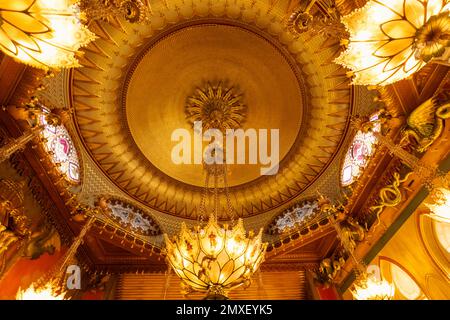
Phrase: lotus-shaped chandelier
pixel 41 33
pixel 370 288
pixel 392 39
pixel 215 258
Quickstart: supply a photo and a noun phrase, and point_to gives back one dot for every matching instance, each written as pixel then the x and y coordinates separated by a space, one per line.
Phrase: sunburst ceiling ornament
pixel 392 39
pixel 43 34
pixel 217 107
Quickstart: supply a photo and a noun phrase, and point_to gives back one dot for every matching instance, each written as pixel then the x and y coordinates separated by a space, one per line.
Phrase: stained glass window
pixel 406 287
pixel 435 235
pixel 62 150
pixel 294 217
pixel 132 218
pixel 362 148
pixel 442 232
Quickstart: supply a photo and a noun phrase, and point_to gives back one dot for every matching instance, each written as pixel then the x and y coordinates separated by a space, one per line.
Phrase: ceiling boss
pixel 217 107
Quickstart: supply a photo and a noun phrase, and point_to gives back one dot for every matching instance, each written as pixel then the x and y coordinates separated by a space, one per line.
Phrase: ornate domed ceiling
pixel 171 68
pixel 135 86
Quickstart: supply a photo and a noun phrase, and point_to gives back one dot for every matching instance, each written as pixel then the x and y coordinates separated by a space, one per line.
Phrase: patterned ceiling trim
pixel 294 217
pixel 129 217
pixel 89 88
pixel 55 91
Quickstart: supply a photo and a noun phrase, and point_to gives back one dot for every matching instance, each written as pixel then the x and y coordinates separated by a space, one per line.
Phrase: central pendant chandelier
pixel 214 258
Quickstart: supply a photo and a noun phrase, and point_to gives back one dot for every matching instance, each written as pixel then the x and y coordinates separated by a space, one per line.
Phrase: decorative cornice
pixel 267 267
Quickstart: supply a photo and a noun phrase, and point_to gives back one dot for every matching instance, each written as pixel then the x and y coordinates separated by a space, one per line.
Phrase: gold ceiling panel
pixel 133 89
pixel 168 72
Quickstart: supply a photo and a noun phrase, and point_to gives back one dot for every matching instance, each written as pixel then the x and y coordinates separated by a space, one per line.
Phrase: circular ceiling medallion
pixel 139 83
pixel 164 76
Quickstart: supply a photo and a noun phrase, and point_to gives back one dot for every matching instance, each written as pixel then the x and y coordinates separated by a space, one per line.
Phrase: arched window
pixel 357 156
pixel 406 288
pixel 59 145
pixel 435 235
pixel 442 233
pixel 440 213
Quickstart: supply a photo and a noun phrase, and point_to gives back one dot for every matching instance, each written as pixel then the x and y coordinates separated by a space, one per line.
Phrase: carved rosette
pixel 433 38
pixel 299 21
pixel 134 11
pixel 217 107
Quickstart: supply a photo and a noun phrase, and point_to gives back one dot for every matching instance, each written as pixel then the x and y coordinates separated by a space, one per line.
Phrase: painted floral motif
pixel 294 217
pixel 59 145
pixel 131 218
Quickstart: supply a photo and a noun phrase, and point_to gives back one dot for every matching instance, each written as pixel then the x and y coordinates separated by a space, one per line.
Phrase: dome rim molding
pixel 282 47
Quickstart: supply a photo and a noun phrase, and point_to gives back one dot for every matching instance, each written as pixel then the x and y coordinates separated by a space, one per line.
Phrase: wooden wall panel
pixel 285 285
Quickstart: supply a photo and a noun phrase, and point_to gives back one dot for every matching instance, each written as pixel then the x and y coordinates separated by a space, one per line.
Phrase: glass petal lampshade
pixel 392 39
pixel 42 33
pixel 372 289
pixel 215 259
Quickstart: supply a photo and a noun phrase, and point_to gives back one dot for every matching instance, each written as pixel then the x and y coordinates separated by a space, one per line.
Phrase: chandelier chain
pixel 231 210
pixel 202 207
pixel 216 193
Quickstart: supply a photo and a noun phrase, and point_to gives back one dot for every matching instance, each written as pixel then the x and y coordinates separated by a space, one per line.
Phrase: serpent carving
pixel 390 196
